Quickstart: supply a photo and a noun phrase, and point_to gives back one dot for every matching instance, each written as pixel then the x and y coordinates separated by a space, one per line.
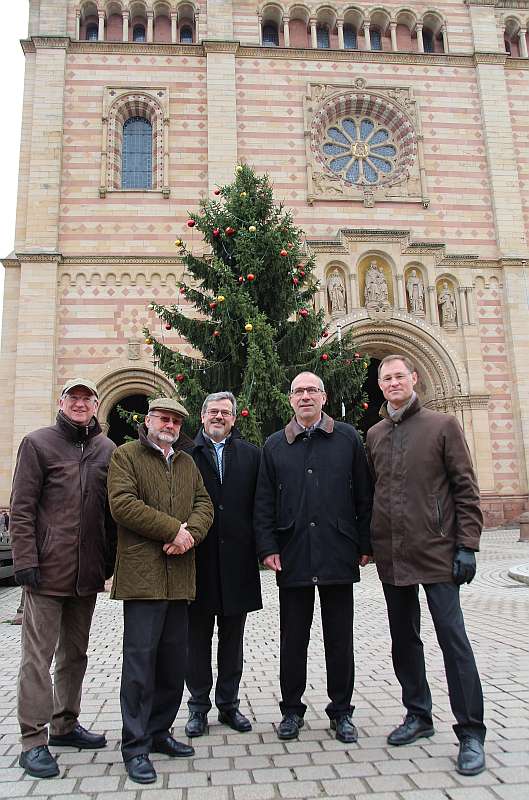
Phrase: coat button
pixel 309 471
pixel 221 507
pixel 312 524
pixel 222 541
pixel 315 579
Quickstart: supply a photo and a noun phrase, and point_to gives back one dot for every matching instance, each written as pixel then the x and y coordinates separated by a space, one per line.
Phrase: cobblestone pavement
pixel 256 765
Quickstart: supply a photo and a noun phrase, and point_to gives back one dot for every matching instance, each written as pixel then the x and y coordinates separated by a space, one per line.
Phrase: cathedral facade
pixel 398 135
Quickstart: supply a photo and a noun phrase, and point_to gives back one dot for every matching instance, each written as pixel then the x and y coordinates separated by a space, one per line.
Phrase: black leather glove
pixel 464 567
pixel 28 577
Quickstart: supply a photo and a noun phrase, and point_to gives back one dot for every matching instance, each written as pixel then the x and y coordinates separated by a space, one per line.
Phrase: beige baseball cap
pixel 71 384
pixel 168 404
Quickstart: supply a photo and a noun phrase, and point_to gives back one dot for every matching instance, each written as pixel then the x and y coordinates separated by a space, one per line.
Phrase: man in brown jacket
pixel 62 541
pixel 425 530
pixel 162 509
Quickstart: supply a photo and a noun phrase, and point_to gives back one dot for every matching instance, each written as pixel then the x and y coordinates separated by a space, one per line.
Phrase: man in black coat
pixel 312 515
pixel 227 571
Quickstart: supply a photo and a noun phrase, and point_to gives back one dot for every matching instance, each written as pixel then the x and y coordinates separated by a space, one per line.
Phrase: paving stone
pixel 471 793
pixel 109 783
pixel 190 779
pixel 302 789
pixel 210 793
pixel 380 783
pixel 262 791
pixel 343 786
pixel 432 780
pixel 230 777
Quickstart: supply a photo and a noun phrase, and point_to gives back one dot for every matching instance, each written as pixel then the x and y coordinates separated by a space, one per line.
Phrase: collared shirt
pixel 308 431
pixel 169 455
pixel 395 414
pixel 219 453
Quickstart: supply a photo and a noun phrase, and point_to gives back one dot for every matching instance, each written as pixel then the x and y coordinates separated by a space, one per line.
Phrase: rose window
pixel 360 150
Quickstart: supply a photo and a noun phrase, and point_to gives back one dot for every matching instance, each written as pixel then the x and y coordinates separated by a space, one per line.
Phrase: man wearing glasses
pixel 425 530
pixel 228 585
pixel 312 514
pixel 162 509
pixel 63 545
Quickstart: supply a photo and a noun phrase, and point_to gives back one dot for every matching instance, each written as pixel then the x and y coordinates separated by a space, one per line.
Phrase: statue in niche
pixel 376 288
pixel 447 301
pixel 415 289
pixel 336 293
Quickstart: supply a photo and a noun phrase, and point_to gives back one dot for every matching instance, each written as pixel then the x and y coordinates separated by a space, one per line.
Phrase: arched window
pixel 92 32
pixel 136 172
pixel 322 37
pixel 270 35
pixel 186 35
pixel 138 33
pixel 428 41
pixel 376 39
pixel 349 38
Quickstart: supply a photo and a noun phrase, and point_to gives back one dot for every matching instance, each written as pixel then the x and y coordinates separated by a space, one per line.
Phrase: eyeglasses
pixel 75 398
pixel 387 379
pixel 214 412
pixel 300 391
pixel 167 420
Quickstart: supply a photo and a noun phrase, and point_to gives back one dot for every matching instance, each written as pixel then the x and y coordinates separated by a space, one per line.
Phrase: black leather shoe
pixel 79 737
pixel 471 758
pixel 197 724
pixel 39 762
pixel 412 728
pixel 140 770
pixel 289 726
pixel 345 730
pixel 170 747
pixel 234 719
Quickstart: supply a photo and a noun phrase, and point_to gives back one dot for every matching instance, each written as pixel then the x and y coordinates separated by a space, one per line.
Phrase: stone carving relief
pixel 447 304
pixel 376 287
pixel 415 293
pixel 336 294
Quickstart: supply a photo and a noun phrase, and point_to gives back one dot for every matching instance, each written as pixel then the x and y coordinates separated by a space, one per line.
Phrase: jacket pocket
pixel 46 542
pixel 439 516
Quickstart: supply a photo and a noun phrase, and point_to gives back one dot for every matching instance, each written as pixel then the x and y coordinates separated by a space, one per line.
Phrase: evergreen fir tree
pixel 256 326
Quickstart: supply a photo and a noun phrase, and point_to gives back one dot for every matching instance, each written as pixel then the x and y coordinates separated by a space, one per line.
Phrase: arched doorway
pixel 118 428
pixel 375 397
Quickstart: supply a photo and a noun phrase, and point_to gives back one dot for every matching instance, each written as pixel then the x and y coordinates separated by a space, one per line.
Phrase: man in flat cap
pixel 158 499
pixel 63 543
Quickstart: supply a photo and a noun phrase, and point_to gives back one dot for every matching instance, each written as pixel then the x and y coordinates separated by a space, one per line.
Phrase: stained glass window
pixel 360 150
pixel 136 172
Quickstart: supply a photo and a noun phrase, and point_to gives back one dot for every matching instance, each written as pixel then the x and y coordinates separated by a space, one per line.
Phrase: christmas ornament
pixel 213 305
pixel 295 281
pixel 135 418
pixel 241 279
pixel 358 356
pixel 168 326
pixel 325 334
pixel 245 413
pixel 180 377
pixel 238 168
pixel 220 298
pixel 365 406
pixel 252 228
pixel 365 365
pixel 248 327
pixel 148 340
pixel 190 223
pixel 216 191
pixel 182 290
pixel 283 252
pixel 229 231
pixel 177 242
pixel 302 273
pixel 303 312
pixel 243 194
pixel 216 333
pixel 314 344
pixel 290 245
pixel 250 277
pixel 324 356
pixel 216 231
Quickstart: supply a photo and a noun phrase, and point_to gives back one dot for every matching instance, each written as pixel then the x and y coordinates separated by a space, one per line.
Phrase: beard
pixel 161 436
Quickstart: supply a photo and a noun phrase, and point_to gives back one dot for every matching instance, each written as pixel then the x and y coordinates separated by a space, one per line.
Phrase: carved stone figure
pixel 415 289
pixel 336 293
pixel 447 301
pixel 376 288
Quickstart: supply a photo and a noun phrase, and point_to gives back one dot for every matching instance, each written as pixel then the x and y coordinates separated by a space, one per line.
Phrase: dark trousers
pixel 199 675
pixel 60 627
pixel 296 608
pixel 464 686
pixel 152 677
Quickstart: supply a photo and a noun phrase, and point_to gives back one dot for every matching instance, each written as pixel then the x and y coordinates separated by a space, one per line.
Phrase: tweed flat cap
pixel 168 404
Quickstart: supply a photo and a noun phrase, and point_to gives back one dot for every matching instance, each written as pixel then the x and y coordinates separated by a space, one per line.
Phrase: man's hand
pixel 464 567
pixel 273 562
pixel 28 577
pixel 182 542
pixel 364 560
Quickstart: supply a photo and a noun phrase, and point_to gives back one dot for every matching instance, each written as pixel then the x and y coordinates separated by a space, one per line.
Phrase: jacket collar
pixel 78 434
pixel 326 426
pixel 412 409
pixel 146 442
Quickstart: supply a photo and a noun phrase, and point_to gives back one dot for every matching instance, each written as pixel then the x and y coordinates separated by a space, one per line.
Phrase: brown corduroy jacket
pixel 149 500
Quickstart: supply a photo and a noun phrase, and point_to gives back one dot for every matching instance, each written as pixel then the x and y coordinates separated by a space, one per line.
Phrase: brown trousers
pixel 57 626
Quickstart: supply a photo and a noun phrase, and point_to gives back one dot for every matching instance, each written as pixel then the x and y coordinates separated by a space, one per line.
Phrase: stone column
pixel 77 24
pixel 286 31
pixel 393 34
pixel 174 26
pixel 260 26
pixel 355 298
pixel 125 19
pixel 523 43
pixel 313 33
pixel 401 294
pixel 420 43
pixel 222 111
pixel 101 26
pixel 432 300
pixel 367 35
pixel 339 26
pixel 8 372
pixel 150 25
pixel 470 305
pixel 444 34
pixel 463 305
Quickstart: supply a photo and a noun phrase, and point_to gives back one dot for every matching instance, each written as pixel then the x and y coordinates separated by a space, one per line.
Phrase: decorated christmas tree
pixel 249 314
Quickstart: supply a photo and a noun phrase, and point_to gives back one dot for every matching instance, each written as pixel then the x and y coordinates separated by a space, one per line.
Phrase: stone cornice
pixel 215 46
pixel 490 58
pixel 510 4
pixel 45 43
pixel 110 261
pixel 481 3
pixel 358 56
pixel 38 258
pixel 134 48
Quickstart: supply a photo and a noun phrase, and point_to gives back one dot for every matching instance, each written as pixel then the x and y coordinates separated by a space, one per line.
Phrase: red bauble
pixel 325 334
pixel 245 413
pixel 180 377
pixel 213 305
pixel 303 312
pixel 250 277
pixel 241 279
pixel 365 406
pixel 216 333
pixel 168 326
pixel 216 232
pixel 190 223
pixel 289 245
pixel 295 281
pixel 302 273
pixel 357 356
pixel 182 290
pixel 216 191
pixel 283 252
pixel 314 344
pixel 324 356
pixel 229 231
pixel 347 362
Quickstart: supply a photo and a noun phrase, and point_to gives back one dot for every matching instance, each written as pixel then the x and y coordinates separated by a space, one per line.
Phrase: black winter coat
pixel 313 504
pixel 227 569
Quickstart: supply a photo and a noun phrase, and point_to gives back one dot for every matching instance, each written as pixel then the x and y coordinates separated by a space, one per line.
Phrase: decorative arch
pixel 120 383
